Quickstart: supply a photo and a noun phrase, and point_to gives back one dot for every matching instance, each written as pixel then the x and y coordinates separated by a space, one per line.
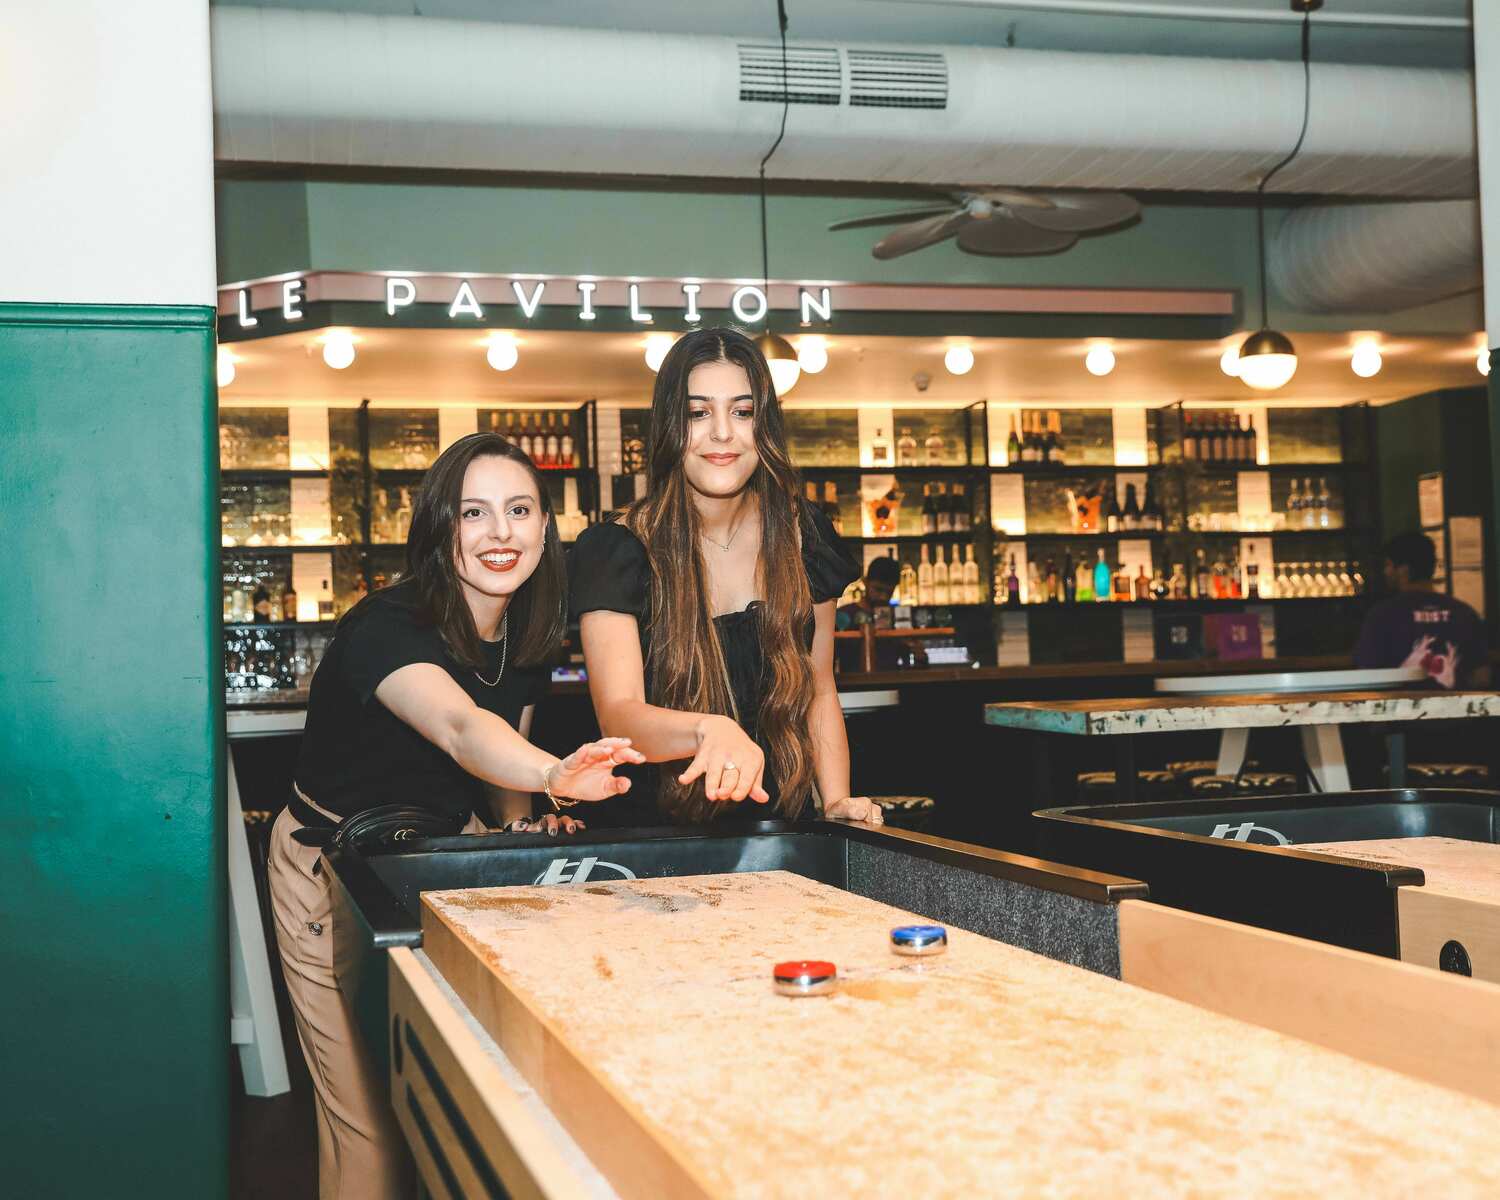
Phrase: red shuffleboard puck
pixel 805 978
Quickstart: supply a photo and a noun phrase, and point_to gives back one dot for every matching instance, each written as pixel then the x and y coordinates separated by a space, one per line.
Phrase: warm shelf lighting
pixel 1365 361
pixel 1267 360
pixel 812 354
pixel 959 360
pixel 338 348
pixel 1099 361
pixel 1483 362
pixel 501 352
pixel 225 367
pixel 657 345
pixel 782 359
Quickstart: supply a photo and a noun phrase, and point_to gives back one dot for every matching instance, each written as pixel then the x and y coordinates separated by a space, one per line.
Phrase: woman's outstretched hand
pixel 855 808
pixel 729 761
pixel 589 772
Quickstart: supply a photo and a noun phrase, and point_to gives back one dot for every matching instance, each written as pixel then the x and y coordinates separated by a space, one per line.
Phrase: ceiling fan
pixel 1000 221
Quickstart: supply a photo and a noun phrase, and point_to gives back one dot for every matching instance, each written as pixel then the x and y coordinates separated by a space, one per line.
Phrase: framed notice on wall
pixel 1430 500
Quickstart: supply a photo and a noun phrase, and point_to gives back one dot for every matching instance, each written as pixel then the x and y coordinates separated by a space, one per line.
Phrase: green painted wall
pixel 1409 439
pixel 268 228
pixel 112 886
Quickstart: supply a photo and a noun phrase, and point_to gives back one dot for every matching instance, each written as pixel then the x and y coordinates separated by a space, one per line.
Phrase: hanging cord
pixel 1260 192
pixel 786 104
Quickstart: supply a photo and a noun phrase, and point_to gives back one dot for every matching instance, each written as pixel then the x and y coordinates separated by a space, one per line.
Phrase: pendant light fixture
pixel 778 352
pixel 1267 358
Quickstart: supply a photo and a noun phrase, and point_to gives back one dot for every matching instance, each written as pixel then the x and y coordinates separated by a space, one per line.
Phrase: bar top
pixel 986 1071
pixel 1162 714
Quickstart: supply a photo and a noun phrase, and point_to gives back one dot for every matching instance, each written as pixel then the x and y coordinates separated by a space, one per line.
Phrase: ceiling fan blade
pixel 1078 212
pixel 891 218
pixel 1004 235
pixel 921 233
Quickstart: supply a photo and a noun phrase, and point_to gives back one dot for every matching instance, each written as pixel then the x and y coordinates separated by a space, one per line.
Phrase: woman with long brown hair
pixel 418 716
pixel 706 610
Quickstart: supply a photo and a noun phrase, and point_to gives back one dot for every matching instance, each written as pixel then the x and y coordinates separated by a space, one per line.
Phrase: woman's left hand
pixel 855 808
pixel 588 773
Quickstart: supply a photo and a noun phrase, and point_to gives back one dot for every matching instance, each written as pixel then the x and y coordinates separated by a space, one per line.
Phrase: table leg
pixel 1125 768
pixel 1395 757
pixel 1324 751
pixel 1233 744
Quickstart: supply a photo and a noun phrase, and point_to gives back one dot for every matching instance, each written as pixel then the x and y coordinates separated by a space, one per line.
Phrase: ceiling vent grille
pixel 897 79
pixel 814 74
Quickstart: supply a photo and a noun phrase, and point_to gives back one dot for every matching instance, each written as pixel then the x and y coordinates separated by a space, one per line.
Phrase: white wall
pixel 106 181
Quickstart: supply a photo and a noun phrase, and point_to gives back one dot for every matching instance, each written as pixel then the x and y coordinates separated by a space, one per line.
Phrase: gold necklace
pixel 733 533
pixel 504 627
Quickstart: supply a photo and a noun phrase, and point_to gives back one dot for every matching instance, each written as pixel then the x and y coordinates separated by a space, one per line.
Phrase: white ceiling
pixel 437 366
pixel 1080 25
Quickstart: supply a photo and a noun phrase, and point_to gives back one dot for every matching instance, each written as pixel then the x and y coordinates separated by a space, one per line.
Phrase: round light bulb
pixel 225 368
pixel 338 350
pixel 657 346
pixel 959 360
pixel 1365 361
pixel 1267 360
pixel 784 374
pixel 1229 362
pixel 501 353
pixel 1100 360
pixel 812 353
pixel 1483 362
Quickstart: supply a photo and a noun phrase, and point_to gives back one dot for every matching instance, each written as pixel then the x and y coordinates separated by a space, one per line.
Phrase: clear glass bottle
pixel 908 584
pixel 1309 505
pixel 924 578
pixel 880 449
pixel 937 447
pixel 1178 585
pixel 565 444
pixel 1294 506
pixel 1084 582
pixel 552 448
pixel 1324 504
pixel 970 576
pixel 940 578
pixel 906 449
pixel 325 602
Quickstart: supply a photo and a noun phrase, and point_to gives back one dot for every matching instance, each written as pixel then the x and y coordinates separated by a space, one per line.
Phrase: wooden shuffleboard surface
pixel 644 1015
pixel 1459 902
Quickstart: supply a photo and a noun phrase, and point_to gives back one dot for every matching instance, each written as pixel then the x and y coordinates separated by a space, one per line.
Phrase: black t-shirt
pixel 608 569
pixel 357 754
pixel 1443 636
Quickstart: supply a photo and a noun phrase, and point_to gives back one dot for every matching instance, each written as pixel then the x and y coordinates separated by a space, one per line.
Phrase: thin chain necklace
pixel 733 533
pixel 504 626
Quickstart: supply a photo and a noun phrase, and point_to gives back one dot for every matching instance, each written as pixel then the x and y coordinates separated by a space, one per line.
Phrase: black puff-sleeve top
pixel 608 569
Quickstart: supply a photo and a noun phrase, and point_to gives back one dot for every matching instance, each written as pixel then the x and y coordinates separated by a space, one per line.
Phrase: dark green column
pixel 114 1006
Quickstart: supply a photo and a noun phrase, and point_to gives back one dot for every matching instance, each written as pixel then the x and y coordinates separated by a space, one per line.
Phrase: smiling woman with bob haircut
pixel 423 702
pixel 706 609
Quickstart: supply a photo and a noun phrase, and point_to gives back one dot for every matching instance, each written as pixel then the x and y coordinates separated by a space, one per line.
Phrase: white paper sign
pixel 1467 584
pixel 1254 499
pixel 311 518
pixel 1008 504
pixel 1134 555
pixel 307 436
pixel 1430 500
pixel 1465 543
pixel 312 579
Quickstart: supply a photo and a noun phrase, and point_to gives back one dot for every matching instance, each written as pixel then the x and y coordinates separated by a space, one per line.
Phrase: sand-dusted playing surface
pixel 1452 865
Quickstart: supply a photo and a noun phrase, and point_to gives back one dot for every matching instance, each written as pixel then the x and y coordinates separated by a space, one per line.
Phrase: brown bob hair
pixel 538 611
pixel 687 667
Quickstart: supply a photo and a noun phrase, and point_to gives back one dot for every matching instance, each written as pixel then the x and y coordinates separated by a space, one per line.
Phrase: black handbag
pixel 384 827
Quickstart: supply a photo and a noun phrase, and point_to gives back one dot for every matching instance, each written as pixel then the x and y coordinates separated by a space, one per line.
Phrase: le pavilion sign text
pixel 466 298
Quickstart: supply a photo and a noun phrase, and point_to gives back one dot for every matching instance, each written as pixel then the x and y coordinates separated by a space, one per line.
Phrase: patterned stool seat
pixel 1251 783
pixel 1194 768
pixel 1154 785
pixel 907 812
pixel 1446 774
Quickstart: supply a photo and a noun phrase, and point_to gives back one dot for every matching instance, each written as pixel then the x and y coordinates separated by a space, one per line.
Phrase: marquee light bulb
pixel 1100 361
pixel 501 353
pixel 226 371
pixel 959 360
pixel 812 353
pixel 338 349
pixel 657 346
pixel 1365 361
pixel 1483 362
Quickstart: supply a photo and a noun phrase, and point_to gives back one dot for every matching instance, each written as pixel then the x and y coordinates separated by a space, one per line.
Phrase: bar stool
pixel 1444 774
pixel 1094 786
pixel 1186 770
pixel 1248 783
pixel 907 812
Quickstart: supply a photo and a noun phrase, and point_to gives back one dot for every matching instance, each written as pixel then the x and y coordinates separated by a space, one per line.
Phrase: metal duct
pixel 1375 257
pixel 348 89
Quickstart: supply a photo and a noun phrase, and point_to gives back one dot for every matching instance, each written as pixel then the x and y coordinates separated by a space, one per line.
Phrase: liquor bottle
pixel 831 507
pixel 1049 439
pixel 944 509
pixel 1069 580
pixel 1252 574
pixel 937 447
pixel 1221 439
pixel 1241 442
pixel 963 520
pixel 1034 593
pixel 1252 452
pixel 1033 448
pixel 403 516
pixel 1122 584
pixel 1178 585
pixel 1151 517
pixel 325 602
pixel 884 513
pixel 565 444
pixel 880 449
pixel 510 428
pixel 940 591
pixel 1026 446
pixel 1013 444
pixel 924 579
pixel 1159 588
pixel 1202 588
pixel 970 576
pixel 1142 589
pixel 1109 509
pixel 1324 502
pixel 1055 450
pixel 1130 515
pixel 908 584
pixel 1309 505
pixel 260 604
pixel 906 449
pixel 523 438
pixel 553 451
pixel 289 602
pixel 1293 506
pixel 929 510
pixel 1084 582
pixel 1103 578
pixel 1189 439
pixel 1049 582
pixel 1012 584
pixel 1219 587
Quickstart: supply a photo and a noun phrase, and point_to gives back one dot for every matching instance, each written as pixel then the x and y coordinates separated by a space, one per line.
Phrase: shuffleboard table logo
pixel 568 870
pixel 1245 831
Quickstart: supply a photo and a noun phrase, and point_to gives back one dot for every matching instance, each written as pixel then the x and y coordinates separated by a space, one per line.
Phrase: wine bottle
pixel 1130 515
pixel 1012 584
pixel 1252 453
pixel 963 520
pixel 1013 444
pixel 289 602
pixel 1189 439
pixel 260 601
pixel 929 510
pixel 1069 580
pixel 1109 510
pixel 1056 450
pixel 944 509
pixel 553 451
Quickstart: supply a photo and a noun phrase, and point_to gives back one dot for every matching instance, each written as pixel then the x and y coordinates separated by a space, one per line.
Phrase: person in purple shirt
pixel 1419 626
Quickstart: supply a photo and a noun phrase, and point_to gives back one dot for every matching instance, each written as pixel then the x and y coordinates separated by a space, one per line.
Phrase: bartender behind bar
pixel 873 609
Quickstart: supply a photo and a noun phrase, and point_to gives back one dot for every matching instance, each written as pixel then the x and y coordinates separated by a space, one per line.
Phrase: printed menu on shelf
pixel 1254 499
pixel 311 512
pixel 1008 504
pixel 307 437
pixel 1130 437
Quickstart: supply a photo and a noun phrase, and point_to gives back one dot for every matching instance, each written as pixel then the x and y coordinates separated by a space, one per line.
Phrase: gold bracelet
pixel 547 788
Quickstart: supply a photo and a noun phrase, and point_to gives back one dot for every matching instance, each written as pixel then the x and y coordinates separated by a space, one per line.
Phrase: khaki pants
pixel 361 1154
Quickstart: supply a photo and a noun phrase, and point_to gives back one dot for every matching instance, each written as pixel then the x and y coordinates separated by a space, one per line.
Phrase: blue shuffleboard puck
pixel 919 940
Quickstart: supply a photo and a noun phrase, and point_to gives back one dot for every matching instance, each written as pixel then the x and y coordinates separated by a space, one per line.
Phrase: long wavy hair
pixel 687 667
pixel 538 610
